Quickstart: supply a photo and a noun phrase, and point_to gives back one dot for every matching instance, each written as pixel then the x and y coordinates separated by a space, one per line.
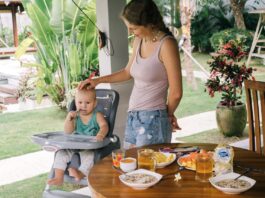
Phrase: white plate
pixel 141 186
pixel 187 167
pixel 213 181
pixel 164 164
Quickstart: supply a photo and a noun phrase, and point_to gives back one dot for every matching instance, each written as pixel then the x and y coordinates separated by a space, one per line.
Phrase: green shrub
pixel 243 37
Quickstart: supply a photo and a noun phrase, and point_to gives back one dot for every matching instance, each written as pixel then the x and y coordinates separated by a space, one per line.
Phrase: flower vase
pixel 231 120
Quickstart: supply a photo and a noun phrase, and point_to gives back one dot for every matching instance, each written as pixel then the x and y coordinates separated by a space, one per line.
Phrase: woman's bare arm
pixel 170 57
pixel 120 76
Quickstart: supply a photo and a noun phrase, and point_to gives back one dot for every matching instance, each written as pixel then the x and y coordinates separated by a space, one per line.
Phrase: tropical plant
pixel 27 85
pixel 208 20
pixel 237 6
pixel 66 45
pixel 243 37
pixel 227 73
pixel 6 39
pixel 170 11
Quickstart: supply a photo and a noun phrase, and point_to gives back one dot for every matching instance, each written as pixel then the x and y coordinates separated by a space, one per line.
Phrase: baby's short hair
pixel 90 91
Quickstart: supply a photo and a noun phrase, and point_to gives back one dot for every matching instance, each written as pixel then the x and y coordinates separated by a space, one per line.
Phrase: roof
pixel 9 2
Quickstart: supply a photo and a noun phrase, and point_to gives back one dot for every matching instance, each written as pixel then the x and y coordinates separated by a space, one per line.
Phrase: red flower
pixel 227 74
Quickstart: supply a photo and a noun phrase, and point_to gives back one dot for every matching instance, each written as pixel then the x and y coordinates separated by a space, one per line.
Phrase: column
pixel 109 22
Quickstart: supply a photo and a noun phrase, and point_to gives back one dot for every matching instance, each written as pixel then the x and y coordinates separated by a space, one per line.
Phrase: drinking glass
pixel 146 159
pixel 117 156
pixel 204 167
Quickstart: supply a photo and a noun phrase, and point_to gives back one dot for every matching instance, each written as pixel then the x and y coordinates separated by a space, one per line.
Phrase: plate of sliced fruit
pixel 189 161
pixel 164 159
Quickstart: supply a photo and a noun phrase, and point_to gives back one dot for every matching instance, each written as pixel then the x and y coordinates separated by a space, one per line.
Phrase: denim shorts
pixel 147 127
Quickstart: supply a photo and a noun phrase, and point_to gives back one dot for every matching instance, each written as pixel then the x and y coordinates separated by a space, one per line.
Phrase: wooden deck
pixel 9 51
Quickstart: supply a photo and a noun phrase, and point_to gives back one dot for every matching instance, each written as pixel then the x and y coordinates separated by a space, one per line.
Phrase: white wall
pixel 108 20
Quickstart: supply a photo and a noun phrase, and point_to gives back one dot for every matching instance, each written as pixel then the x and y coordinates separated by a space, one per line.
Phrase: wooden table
pixel 104 181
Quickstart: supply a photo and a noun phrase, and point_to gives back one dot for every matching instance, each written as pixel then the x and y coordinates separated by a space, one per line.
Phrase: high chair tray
pixel 53 141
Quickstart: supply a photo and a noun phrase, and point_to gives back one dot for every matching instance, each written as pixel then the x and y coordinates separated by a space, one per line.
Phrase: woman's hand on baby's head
pixel 88 83
pixel 72 115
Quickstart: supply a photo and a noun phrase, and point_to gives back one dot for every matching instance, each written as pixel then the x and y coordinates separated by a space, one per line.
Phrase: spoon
pixel 244 173
pixel 169 174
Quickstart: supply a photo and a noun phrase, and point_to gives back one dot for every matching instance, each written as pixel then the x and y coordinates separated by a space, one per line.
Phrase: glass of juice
pixel 146 159
pixel 117 156
pixel 204 167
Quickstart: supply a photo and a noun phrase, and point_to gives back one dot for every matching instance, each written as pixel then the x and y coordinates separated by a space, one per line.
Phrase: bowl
pixel 141 185
pixel 219 178
pixel 128 164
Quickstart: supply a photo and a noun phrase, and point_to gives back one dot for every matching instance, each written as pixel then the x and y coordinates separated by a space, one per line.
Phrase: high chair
pixel 107 103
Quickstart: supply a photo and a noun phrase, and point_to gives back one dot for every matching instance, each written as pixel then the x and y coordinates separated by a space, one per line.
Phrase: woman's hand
pixel 174 123
pixel 88 83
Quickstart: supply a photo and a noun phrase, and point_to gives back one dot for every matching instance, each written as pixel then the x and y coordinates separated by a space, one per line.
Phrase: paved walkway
pixel 195 124
pixel 26 166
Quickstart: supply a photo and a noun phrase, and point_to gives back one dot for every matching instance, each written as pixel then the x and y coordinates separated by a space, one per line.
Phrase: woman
pixel 155 67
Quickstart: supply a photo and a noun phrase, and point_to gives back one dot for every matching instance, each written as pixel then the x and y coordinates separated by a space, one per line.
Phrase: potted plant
pixel 227 74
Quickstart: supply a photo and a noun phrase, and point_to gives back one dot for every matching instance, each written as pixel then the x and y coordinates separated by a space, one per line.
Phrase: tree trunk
pixel 237 7
pixel 186 11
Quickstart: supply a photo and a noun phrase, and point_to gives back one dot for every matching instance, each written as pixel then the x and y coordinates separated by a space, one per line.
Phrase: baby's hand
pixel 99 137
pixel 71 115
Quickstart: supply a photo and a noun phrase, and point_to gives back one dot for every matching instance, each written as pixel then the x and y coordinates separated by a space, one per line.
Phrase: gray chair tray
pixel 53 141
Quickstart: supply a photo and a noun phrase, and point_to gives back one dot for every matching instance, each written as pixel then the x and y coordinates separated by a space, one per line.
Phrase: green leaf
pixel 22 48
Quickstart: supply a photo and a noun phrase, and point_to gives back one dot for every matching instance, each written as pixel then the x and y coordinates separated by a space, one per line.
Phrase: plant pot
pixel 231 121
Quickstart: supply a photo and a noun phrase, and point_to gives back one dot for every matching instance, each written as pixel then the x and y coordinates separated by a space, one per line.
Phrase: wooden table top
pixel 104 180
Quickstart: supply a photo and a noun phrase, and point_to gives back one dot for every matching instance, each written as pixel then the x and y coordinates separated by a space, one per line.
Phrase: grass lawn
pixel 213 136
pixel 196 101
pixel 17 128
pixel 30 188
pixel 203 58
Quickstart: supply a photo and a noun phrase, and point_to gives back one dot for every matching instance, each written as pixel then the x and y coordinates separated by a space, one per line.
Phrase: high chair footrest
pixel 61 194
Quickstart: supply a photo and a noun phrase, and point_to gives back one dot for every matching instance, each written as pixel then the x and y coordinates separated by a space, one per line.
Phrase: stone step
pixel 9 89
pixel 3 81
pixel 8 98
pixel 11 79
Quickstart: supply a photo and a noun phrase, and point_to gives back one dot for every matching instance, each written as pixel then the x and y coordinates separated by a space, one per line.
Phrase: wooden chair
pixel 255 96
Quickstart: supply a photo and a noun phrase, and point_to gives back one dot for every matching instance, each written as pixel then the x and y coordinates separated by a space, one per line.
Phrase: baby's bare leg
pixel 58 178
pixel 77 174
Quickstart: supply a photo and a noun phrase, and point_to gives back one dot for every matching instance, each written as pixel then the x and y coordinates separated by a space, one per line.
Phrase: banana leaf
pixel 67 44
pixel 21 49
pixel 44 5
pixel 65 15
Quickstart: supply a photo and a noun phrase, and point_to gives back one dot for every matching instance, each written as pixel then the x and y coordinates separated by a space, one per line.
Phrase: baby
pixel 84 121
